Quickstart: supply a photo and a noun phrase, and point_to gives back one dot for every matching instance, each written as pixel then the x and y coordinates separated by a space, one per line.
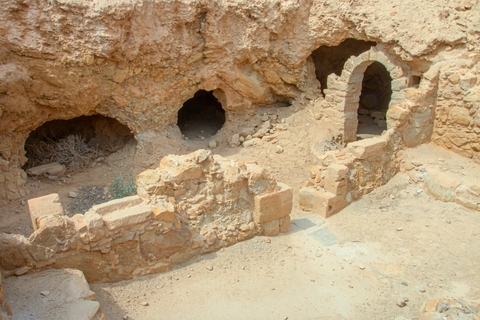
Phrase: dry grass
pixel 72 151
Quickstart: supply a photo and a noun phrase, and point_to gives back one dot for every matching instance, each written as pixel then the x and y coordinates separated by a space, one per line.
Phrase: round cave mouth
pixel 201 116
pixel 374 100
pixel 75 143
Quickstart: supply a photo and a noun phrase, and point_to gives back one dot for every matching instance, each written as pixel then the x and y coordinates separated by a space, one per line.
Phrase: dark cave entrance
pixel 374 101
pixel 330 60
pixel 75 143
pixel 201 116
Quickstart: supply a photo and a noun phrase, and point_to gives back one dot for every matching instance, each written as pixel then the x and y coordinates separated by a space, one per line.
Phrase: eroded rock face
pixel 189 205
pixel 139 61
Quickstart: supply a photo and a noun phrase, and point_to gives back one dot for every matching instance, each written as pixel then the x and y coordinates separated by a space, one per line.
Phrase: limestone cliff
pixel 139 61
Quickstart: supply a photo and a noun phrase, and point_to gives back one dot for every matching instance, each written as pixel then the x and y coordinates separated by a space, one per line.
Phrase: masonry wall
pixel 457 121
pixel 189 205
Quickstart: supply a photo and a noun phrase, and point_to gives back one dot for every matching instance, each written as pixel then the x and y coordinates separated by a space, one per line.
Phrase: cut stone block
pixel 117 204
pixel 271 228
pixel 127 217
pixel 323 203
pixel 44 206
pixel 275 205
pixel 366 148
pixel 53 168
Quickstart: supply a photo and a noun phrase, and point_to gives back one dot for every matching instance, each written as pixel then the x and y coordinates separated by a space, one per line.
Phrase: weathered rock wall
pixel 457 123
pixel 188 206
pixel 138 61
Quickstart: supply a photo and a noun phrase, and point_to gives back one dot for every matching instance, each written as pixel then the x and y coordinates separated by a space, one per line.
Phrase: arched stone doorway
pixel 345 91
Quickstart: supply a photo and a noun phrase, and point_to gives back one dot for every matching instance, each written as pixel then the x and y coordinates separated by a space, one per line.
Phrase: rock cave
pixel 75 143
pixel 212 200
pixel 201 116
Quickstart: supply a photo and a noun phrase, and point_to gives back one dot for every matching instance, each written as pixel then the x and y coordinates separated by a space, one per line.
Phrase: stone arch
pixel 345 90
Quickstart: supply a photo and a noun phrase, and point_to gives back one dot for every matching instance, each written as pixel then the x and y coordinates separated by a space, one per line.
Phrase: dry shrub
pixel 72 151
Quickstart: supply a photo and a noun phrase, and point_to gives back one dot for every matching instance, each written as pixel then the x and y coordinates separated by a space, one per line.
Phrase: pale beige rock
pixel 442 185
pixel 54 168
pixel 48 205
pixel 127 217
pixel 274 205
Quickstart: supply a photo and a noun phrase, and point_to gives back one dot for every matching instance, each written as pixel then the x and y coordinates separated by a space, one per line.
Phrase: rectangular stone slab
pixel 44 206
pixel 127 217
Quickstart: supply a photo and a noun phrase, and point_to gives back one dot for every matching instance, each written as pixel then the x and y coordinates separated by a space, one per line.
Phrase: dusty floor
pixel 396 242
pixel 391 244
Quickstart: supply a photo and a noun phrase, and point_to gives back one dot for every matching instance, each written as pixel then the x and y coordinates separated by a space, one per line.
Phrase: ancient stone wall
pixel 189 205
pixel 139 61
pixel 457 122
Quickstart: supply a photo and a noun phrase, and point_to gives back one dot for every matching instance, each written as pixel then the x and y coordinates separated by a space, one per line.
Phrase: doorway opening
pixel 201 116
pixel 374 101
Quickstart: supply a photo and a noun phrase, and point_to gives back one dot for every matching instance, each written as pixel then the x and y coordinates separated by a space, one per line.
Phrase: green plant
pixel 123 186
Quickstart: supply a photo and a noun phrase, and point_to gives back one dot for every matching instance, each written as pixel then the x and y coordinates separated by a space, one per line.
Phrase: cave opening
pixel 374 101
pixel 201 116
pixel 330 60
pixel 75 143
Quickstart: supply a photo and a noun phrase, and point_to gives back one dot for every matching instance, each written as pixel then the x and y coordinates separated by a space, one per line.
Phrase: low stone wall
pixel 189 205
pixel 342 176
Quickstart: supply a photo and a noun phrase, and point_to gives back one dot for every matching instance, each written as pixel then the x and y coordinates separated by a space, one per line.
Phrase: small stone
pixel 265 117
pixel 52 177
pixel 399 229
pixel 405 283
pixel 448 221
pixel 72 194
pixel 402 302
pixel 209 268
pixel 145 303
pixel 442 307
pixel 23 202
pixel 267 240
pixel 279 149
pixel 361 267
pixel 45 293
pixel 421 289
pixel 212 144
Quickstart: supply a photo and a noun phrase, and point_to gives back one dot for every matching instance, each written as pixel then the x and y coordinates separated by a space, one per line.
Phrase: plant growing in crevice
pixel 123 185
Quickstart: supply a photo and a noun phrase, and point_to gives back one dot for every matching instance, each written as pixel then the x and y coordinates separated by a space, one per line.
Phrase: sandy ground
pixel 396 242
pixel 391 244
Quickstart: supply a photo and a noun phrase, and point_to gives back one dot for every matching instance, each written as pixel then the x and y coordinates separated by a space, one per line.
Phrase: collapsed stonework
pixel 139 62
pixel 189 205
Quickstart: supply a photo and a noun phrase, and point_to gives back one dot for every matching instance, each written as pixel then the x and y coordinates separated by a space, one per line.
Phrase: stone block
pixel 271 228
pixel 335 171
pixel 366 148
pixel 323 203
pixel 127 217
pixel 117 204
pixel 164 211
pixel 274 205
pixel 442 185
pixel 285 224
pixel 44 206
pixel 336 187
